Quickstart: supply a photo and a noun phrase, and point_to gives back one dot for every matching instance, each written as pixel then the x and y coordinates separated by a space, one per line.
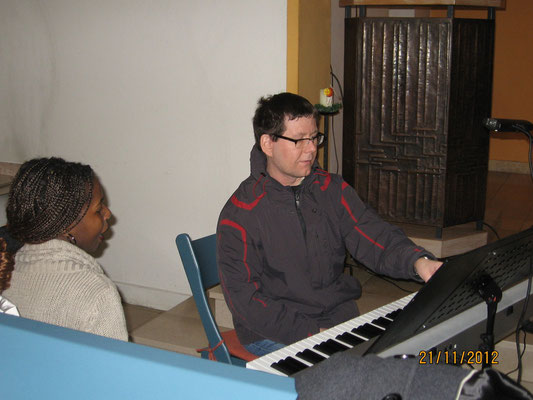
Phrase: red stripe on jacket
pixel 250 206
pixel 243 238
pixel 347 207
pixel 325 185
pixel 245 262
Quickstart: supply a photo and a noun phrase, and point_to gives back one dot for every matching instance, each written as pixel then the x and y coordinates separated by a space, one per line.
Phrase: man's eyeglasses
pixel 317 140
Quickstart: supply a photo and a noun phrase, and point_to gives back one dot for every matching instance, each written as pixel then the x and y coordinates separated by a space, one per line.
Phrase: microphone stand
pixel 492 294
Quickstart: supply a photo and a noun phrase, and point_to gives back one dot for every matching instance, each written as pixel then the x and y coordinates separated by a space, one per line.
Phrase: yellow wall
pixel 513 77
pixel 315 48
pixel 293 24
pixel 308 48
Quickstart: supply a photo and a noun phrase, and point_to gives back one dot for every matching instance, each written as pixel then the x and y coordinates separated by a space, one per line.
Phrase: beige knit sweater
pixel 58 283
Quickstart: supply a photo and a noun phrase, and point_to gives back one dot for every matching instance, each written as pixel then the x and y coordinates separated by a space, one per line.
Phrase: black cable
pixel 520 325
pixel 357 264
pixel 519 355
pixel 493 230
pixel 334 146
pixel 529 155
pixel 521 322
pixel 530 137
pixel 338 83
pixel 393 283
pixel 333 76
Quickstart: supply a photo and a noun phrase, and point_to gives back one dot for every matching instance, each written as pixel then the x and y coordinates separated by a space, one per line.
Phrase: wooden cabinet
pixel 416 93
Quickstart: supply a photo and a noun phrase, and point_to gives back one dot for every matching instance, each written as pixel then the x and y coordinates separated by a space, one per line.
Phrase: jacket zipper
pixel 299 212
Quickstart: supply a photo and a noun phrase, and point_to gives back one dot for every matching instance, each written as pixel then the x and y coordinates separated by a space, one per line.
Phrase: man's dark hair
pixel 48 197
pixel 269 118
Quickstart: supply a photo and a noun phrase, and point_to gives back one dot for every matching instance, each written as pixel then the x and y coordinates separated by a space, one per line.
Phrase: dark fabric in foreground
pixel 349 376
pixel 491 384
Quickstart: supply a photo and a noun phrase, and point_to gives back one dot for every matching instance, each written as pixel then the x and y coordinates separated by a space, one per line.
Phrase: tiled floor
pixel 137 316
pixel 509 209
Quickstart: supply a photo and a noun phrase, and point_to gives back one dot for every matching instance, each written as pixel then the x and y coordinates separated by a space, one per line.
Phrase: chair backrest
pixel 200 263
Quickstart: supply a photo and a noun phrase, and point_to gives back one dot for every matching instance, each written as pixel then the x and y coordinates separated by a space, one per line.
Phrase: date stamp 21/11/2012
pixel 458 357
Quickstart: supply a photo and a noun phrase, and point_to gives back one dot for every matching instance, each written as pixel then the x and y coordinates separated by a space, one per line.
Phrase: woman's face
pixel 89 231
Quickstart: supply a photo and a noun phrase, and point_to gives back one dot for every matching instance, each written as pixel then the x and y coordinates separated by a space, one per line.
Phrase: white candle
pixel 326 97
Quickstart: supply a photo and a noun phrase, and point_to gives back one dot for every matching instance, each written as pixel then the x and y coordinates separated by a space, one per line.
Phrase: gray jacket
pixel 281 253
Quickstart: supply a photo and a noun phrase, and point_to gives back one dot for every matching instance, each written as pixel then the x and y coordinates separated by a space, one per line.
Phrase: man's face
pixel 287 163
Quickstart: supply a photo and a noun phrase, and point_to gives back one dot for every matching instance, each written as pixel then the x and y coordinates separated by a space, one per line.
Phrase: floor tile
pixel 495 181
pixel 178 329
pixel 137 316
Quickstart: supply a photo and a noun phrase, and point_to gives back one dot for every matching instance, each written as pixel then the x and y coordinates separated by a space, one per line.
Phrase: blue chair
pixel 200 263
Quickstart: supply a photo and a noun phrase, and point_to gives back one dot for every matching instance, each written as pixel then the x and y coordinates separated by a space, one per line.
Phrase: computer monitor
pixel 454 288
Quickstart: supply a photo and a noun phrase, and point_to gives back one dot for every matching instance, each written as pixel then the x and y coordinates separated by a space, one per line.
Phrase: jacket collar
pixel 258 163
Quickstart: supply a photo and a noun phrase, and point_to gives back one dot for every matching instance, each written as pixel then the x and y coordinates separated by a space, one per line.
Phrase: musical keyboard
pixel 459 333
pixel 349 334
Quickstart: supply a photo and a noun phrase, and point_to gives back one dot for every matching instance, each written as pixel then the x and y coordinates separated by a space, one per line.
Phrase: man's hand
pixel 425 268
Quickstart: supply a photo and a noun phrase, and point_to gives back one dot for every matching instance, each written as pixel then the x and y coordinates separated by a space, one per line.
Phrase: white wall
pixel 158 97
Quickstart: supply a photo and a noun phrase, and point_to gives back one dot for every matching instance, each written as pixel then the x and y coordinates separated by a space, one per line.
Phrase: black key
pixel 382 322
pixel 347 337
pixel 359 333
pixel 289 366
pixel 330 347
pixel 324 348
pixel 393 314
pixel 337 345
pixel 368 331
pixel 310 356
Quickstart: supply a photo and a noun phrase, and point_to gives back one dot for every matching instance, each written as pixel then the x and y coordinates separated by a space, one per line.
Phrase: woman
pixel 56 210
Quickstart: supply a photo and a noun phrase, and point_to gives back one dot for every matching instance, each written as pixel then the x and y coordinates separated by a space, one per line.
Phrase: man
pixel 283 234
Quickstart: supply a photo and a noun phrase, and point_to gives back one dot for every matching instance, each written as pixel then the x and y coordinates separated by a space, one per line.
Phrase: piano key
pixel 310 356
pixel 330 347
pixel 350 339
pixel 382 322
pixel 368 331
pixel 289 366
pixel 393 314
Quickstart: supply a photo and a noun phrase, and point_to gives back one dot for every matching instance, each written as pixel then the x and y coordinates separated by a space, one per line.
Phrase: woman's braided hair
pixel 6 265
pixel 48 197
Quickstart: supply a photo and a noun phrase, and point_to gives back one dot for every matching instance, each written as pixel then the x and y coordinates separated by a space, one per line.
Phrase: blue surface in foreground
pixel 43 361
